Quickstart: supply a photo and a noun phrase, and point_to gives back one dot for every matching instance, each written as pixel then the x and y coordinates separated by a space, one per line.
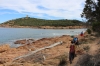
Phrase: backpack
pixel 75 39
pixel 72 48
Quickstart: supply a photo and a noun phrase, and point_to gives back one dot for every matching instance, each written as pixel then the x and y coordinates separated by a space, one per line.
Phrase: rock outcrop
pixel 24 41
pixel 4 47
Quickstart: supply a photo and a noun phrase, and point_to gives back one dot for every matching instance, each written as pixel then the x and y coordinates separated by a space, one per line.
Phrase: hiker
pixel 71 52
pixel 75 40
pixel 81 33
pixel 76 43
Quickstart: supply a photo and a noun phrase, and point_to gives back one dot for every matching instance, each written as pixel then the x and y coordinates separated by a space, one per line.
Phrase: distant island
pixel 28 22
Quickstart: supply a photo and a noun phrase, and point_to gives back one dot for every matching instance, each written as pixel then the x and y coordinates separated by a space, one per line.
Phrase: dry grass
pixel 63 60
pixel 89 60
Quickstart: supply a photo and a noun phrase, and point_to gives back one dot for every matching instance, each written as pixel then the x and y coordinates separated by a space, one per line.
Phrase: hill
pixel 34 22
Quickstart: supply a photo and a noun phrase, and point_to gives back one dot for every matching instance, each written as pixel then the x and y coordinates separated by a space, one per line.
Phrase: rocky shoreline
pixel 42 58
pixel 11 53
pixel 45 27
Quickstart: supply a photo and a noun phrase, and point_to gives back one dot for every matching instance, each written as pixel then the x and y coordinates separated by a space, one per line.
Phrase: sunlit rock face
pixel 4 48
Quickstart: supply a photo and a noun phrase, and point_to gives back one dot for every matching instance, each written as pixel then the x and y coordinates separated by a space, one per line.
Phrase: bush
pixel 86 48
pixel 62 62
pixel 89 31
pixel 88 60
pixel 96 26
pixel 85 60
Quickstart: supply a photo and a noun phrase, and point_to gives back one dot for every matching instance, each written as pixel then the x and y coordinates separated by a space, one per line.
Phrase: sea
pixel 10 35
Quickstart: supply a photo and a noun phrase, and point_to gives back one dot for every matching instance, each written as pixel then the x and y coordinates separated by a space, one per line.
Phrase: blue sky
pixel 44 9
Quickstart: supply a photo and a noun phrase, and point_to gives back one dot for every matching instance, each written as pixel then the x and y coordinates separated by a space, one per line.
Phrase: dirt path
pixel 92 51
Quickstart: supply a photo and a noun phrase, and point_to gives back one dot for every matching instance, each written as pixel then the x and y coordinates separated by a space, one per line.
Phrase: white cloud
pixel 68 9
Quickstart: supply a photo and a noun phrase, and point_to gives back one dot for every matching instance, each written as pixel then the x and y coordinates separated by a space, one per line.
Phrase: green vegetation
pixel 91 12
pixel 89 31
pixel 28 21
pixel 96 27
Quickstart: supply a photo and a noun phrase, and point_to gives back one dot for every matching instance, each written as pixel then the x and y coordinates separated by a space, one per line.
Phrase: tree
pixel 91 12
pixel 98 10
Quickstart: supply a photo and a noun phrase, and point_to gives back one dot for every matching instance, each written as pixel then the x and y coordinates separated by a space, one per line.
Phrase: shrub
pixel 88 60
pixel 85 60
pixel 96 26
pixel 72 36
pixel 89 31
pixel 62 62
pixel 86 48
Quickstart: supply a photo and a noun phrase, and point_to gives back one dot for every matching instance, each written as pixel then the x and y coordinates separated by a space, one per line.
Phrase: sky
pixel 42 9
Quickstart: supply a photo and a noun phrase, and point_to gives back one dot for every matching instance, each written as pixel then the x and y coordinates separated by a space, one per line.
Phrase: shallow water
pixel 9 35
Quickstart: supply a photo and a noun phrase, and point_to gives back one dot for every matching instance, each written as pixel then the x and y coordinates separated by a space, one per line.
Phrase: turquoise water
pixel 9 35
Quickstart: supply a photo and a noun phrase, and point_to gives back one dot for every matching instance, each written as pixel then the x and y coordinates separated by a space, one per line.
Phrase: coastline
pixel 45 27
pixel 7 56
pixel 52 55
pixel 25 48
